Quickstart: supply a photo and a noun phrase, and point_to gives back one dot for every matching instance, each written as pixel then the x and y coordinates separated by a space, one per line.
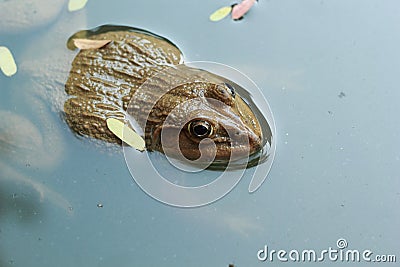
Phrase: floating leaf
pixel 239 10
pixel 79 35
pixel 90 44
pixel 7 63
pixel 126 134
pixel 75 5
pixel 221 13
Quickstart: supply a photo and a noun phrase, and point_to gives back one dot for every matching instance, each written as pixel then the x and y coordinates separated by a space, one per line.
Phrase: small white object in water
pixel 75 5
pixel 7 62
pixel 220 13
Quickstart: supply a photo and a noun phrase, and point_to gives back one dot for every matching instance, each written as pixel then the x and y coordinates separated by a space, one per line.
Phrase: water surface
pixel 72 203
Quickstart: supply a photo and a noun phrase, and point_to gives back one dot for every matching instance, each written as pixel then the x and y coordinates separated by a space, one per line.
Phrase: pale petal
pixel 75 5
pixel 241 9
pixel 126 134
pixel 90 44
pixel 7 62
pixel 220 13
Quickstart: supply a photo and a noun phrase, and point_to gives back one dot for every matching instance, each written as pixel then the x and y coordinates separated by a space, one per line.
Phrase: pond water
pixel 329 70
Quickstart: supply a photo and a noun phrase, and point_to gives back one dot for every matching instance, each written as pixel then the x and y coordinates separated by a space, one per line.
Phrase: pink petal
pixel 239 10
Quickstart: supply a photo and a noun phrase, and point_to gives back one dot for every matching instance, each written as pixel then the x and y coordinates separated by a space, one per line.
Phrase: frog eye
pixel 200 128
pixel 231 89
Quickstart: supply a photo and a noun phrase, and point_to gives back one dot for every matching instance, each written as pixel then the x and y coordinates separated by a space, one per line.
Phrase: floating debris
pixel 7 62
pixel 221 13
pixel 341 95
pixel 85 44
pixel 126 134
pixel 239 10
pixel 75 5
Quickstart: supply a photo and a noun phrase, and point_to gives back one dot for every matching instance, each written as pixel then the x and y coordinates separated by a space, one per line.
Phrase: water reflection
pixel 35 139
pixel 8 174
pixel 18 202
pixel 31 137
pixel 25 15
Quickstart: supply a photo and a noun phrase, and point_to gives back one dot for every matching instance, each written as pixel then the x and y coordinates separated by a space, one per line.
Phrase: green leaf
pixel 221 13
pixel 126 134
pixel 7 62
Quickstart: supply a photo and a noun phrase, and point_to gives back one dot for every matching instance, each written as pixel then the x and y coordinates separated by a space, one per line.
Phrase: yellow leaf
pixel 7 63
pixel 75 5
pixel 90 44
pixel 221 13
pixel 126 134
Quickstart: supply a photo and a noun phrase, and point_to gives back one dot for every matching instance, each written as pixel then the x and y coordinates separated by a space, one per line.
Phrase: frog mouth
pixel 242 146
pixel 221 150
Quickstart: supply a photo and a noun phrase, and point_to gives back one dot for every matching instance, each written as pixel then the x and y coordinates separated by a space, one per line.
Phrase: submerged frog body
pixel 206 110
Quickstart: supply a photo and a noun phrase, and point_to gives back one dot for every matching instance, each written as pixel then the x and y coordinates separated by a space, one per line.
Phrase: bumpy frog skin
pixel 103 81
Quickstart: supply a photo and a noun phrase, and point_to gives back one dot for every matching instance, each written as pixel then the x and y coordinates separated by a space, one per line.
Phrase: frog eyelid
pixel 231 89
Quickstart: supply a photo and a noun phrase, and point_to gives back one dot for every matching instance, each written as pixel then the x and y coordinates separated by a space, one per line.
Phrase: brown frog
pixel 105 83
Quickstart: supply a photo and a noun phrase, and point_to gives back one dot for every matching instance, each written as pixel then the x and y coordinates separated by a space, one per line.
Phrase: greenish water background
pixel 336 172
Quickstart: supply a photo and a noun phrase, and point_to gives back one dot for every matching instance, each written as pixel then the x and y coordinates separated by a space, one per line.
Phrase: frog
pixel 107 82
